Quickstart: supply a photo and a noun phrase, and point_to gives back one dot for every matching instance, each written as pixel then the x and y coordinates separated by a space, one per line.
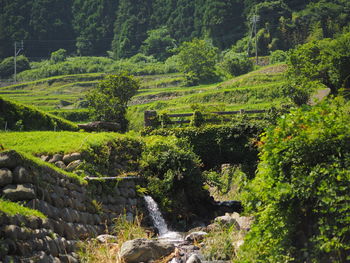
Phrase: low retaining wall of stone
pixel 74 210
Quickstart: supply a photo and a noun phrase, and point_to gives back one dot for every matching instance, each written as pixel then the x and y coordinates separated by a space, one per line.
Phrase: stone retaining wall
pixel 74 211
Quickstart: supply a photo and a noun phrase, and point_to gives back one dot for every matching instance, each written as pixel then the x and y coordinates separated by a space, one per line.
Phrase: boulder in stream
pixel 143 250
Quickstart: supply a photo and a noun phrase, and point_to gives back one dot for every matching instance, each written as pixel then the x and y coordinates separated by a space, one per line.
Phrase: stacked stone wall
pixel 75 211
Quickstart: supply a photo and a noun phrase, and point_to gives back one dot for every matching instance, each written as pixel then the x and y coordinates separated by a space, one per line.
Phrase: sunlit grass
pixel 12 208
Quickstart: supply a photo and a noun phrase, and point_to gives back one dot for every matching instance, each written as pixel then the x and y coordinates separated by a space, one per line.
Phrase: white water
pixel 159 222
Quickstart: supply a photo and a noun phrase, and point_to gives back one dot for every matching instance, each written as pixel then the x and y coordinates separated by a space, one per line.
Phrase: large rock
pixel 100 126
pixel 196 236
pixel 19 192
pixel 60 165
pixel 73 165
pixel 244 222
pixel 9 159
pixel 143 250
pixel 56 158
pixel 22 176
pixel 106 238
pixel 5 177
pixel 68 158
pixel 193 259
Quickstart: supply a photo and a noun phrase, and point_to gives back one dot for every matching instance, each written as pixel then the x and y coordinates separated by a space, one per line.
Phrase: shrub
pixel 197 61
pixel 59 55
pixel 174 179
pixel 301 190
pixel 7 66
pixel 278 56
pixel 218 144
pixel 236 64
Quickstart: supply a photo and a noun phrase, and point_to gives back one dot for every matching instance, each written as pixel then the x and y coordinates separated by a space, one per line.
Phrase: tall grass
pixel 93 251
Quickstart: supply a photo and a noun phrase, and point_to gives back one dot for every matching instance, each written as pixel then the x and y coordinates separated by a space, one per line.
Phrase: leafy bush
pixel 109 101
pixel 158 43
pixel 236 64
pixel 301 191
pixel 7 66
pixel 326 62
pixel 137 65
pixel 197 61
pixel 219 244
pixel 174 178
pixel 218 144
pixel 59 55
pixel 278 56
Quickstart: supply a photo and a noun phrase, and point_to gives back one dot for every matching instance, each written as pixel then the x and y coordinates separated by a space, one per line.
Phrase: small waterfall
pixel 158 220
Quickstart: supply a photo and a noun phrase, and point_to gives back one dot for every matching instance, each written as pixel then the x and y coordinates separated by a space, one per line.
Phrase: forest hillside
pixel 124 28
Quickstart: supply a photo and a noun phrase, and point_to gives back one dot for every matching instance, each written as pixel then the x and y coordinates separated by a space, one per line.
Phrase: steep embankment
pixel 18 117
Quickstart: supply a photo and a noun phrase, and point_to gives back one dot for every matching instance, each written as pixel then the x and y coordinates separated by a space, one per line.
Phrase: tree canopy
pixel 94 27
pixel 109 100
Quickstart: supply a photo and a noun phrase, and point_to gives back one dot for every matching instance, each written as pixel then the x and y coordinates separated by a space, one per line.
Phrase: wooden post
pixel 150 117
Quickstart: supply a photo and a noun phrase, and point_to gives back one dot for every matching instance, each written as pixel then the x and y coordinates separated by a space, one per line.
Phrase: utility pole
pixel 15 58
pixel 255 19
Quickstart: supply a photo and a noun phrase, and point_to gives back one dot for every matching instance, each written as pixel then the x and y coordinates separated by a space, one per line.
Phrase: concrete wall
pixel 75 211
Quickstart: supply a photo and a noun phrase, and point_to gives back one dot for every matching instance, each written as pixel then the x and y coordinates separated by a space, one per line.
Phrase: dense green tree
pixel 235 64
pixel 14 24
pixel 181 21
pixel 158 44
pixel 7 66
pixel 109 100
pixel 90 27
pixel 131 26
pixel 59 55
pixel 197 60
pixel 93 24
pixel 223 22
pixel 326 62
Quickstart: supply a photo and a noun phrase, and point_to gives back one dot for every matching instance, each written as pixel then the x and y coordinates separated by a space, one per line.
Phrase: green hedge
pixel 18 117
pixel 218 144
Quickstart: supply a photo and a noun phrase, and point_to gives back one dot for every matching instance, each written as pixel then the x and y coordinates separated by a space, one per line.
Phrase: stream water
pixel 159 222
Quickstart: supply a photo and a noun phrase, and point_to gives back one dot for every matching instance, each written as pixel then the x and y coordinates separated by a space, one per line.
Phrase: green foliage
pixel 301 191
pixel 137 65
pixel 217 144
pixel 278 56
pixel 59 55
pixel 236 64
pixel 229 183
pixel 88 27
pixel 20 117
pixel 12 208
pixel 219 244
pixel 159 44
pixel 101 152
pixel 92 22
pixel 173 174
pixel 197 61
pixel 108 102
pixel 325 62
pixel 7 66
